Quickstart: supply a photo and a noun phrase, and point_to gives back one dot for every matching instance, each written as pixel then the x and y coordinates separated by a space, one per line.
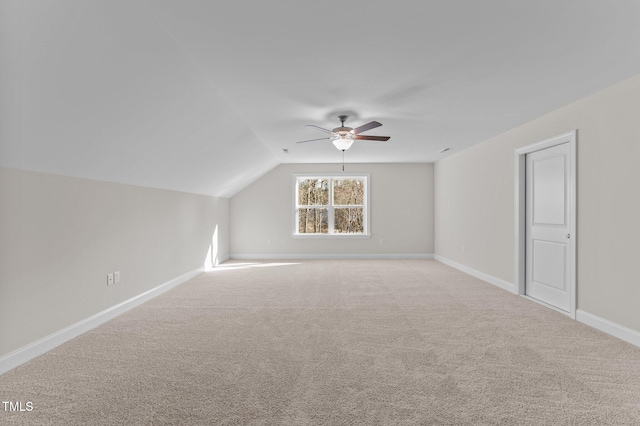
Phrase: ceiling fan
pixel 342 137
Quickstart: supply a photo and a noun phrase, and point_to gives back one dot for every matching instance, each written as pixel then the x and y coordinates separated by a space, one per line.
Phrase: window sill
pixel 336 236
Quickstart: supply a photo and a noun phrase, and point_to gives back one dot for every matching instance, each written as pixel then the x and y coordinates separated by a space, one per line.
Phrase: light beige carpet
pixel 353 342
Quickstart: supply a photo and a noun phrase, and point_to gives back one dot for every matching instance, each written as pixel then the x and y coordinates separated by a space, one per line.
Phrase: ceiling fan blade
pixel 373 138
pixel 313 140
pixel 365 127
pixel 319 128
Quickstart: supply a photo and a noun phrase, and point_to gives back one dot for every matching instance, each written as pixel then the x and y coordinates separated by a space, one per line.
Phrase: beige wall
pixel 474 205
pixel 60 237
pixel 401 194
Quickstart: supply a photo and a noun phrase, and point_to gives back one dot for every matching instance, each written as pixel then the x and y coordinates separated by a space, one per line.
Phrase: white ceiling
pixel 201 96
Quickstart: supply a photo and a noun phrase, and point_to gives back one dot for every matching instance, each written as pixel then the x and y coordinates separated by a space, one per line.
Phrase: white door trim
pixel 520 204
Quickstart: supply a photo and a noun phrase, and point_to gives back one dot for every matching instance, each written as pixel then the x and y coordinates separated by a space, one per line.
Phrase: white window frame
pixel 330 207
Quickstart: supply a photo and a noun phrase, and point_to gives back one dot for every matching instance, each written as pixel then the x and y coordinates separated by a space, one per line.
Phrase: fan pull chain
pixel 343 160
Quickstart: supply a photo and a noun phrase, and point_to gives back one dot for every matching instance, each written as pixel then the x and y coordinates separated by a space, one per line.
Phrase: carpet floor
pixel 357 342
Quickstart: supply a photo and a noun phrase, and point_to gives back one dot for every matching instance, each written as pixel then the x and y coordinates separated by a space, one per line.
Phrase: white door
pixel 548 226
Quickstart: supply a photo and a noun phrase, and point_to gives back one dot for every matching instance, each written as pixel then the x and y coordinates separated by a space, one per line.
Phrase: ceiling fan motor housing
pixel 343 133
pixel 342 130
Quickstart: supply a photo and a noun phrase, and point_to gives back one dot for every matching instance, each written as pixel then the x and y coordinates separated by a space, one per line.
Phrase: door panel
pixel 549 191
pixel 549 264
pixel 548 226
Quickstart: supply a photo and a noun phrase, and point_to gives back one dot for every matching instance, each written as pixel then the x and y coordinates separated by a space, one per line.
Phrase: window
pixel 331 205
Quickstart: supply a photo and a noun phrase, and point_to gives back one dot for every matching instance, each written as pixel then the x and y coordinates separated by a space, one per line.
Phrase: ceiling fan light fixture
pixel 343 140
pixel 343 143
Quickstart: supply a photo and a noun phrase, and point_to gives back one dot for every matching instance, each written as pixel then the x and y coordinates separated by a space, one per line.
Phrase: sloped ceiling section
pixel 436 73
pixel 99 90
pixel 202 95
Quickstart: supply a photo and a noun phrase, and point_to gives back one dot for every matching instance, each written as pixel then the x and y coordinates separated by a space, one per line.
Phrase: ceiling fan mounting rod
pixel 343 118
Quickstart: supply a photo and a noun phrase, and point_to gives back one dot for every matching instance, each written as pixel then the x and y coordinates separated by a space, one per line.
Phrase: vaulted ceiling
pixel 202 96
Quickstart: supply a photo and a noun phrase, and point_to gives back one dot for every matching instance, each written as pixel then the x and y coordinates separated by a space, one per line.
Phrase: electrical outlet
pixel 116 277
pixel 109 279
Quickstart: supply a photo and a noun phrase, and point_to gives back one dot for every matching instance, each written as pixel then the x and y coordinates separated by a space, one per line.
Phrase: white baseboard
pixel 606 326
pixel 39 347
pixel 505 285
pixel 330 256
pixel 609 327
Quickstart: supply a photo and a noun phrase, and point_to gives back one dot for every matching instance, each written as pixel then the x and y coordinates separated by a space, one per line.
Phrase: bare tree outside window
pixel 313 193
pixel 348 200
pixel 331 205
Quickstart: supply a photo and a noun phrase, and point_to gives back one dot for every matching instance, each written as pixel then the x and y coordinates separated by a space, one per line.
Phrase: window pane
pixel 348 192
pixel 313 221
pixel 348 220
pixel 313 192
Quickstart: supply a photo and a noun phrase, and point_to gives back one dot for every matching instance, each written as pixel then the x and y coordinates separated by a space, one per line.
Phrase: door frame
pixel 520 215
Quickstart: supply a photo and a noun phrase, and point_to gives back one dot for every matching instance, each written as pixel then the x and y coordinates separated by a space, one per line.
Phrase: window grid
pixel 330 206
